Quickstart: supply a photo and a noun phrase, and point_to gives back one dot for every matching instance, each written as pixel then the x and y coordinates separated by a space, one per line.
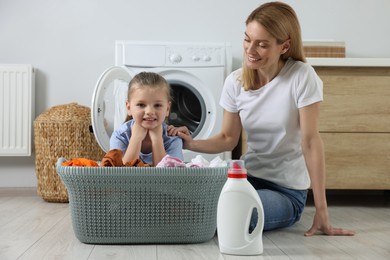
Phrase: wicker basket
pixel 63 130
pixel 132 205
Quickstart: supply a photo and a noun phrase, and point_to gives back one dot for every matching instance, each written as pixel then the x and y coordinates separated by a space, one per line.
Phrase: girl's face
pixel 148 106
pixel 261 49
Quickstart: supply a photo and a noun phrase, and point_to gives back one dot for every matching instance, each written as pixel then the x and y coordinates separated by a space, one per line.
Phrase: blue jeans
pixel 282 207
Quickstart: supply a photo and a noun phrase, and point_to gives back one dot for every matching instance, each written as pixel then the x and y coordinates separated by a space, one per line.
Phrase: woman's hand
pixel 187 139
pixel 173 130
pixel 321 224
pixel 183 133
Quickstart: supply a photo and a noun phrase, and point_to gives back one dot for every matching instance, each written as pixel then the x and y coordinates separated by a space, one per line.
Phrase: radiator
pixel 16 109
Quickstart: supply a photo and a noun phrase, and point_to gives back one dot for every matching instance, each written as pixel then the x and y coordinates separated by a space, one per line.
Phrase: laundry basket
pixel 132 205
pixel 63 130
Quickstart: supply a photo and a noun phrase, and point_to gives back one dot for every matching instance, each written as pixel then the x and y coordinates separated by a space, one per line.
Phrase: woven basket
pixel 62 131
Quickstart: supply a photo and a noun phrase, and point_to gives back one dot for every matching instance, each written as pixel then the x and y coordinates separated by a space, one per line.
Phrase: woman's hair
pixel 281 21
pixel 147 80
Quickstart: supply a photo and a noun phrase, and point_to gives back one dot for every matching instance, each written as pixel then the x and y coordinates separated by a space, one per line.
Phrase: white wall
pixel 71 42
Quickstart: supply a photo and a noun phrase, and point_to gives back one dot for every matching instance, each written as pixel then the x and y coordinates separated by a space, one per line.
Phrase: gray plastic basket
pixel 126 205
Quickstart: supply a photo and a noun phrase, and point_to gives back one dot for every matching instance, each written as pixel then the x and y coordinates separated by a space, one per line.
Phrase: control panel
pixel 194 56
pixel 149 54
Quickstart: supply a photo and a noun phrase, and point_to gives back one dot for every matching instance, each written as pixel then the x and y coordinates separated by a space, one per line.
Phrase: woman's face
pixel 148 106
pixel 261 49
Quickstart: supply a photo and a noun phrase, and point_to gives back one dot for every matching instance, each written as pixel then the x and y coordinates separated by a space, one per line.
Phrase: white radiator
pixel 16 109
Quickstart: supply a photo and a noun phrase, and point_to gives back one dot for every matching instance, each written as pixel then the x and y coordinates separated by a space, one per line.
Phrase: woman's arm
pixel 225 140
pixel 313 151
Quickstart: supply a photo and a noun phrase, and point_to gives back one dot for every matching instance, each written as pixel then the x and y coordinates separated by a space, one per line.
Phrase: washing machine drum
pixel 188 108
pixel 109 105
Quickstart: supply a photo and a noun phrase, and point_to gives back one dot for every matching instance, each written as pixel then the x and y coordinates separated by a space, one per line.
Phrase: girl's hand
pixel 158 149
pixel 156 133
pixel 138 132
pixel 321 224
pixel 173 131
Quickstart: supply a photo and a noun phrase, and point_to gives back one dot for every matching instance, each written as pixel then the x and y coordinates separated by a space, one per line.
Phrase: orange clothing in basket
pixel 80 162
pixel 114 159
pixel 137 163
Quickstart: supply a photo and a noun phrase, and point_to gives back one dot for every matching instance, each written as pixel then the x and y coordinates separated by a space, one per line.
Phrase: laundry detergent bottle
pixel 236 204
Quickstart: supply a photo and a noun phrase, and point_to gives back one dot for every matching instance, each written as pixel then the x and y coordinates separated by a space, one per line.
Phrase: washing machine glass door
pixel 188 107
pixel 108 108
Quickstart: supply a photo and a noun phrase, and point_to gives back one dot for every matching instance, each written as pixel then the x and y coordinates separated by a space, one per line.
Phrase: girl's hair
pixel 147 80
pixel 281 21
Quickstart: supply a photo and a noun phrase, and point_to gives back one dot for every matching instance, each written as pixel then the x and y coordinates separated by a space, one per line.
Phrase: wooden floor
pixel 31 228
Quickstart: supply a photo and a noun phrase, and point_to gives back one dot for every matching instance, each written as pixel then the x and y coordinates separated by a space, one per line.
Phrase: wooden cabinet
pixel 355 126
pixel 354 122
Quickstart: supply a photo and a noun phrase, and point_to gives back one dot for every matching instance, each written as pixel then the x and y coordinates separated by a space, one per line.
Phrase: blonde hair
pixel 281 21
pixel 147 80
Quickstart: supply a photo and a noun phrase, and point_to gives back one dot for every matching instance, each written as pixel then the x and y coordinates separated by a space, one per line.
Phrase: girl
pixel 144 134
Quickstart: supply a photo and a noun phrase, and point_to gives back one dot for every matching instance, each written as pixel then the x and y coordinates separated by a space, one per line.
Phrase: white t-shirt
pixel 270 116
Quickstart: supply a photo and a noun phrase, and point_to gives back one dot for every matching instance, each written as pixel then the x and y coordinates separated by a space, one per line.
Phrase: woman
pixel 276 98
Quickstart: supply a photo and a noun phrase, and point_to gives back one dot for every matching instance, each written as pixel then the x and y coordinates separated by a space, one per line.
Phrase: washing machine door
pixel 108 108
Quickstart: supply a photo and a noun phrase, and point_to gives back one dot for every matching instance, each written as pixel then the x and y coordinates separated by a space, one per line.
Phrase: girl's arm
pixel 158 149
pixel 313 151
pixel 133 150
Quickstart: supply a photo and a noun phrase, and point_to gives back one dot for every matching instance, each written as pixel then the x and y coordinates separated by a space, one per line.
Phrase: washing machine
pixel 195 72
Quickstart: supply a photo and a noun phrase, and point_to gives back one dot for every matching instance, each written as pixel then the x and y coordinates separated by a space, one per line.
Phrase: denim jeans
pixel 282 206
